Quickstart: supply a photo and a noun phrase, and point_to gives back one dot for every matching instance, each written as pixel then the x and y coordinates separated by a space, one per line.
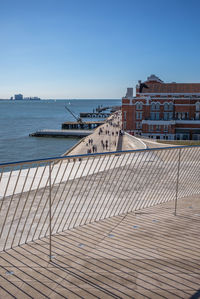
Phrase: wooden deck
pixel 150 254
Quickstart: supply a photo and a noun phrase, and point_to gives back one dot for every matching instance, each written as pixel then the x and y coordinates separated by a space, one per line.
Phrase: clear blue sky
pixel 95 48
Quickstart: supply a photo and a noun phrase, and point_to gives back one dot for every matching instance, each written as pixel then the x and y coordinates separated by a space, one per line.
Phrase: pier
pixel 112 108
pixel 62 133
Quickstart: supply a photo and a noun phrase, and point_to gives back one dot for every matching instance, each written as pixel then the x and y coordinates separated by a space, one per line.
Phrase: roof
pixel 171 87
pixel 84 122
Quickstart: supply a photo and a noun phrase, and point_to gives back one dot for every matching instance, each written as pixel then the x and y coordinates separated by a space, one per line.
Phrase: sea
pixel 18 119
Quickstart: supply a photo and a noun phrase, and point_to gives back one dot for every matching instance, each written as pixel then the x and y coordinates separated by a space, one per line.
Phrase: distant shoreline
pixel 60 100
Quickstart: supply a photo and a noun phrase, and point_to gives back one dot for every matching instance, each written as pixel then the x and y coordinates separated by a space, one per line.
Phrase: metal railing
pixel 43 197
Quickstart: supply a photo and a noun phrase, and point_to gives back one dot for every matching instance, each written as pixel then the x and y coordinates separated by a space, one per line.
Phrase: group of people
pixel 104 145
pixel 93 149
pixel 111 130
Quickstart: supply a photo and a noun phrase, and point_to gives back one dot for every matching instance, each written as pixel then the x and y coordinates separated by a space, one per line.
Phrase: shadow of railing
pixel 135 255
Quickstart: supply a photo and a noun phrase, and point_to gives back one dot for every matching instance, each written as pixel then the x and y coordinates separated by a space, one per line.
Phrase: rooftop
pixel 147 254
pixel 111 221
pixel 156 85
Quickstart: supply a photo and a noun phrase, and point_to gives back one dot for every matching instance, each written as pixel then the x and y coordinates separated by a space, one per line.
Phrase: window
pixel 124 115
pixel 165 128
pixel 166 106
pixel 157 106
pixel 153 106
pixel 157 115
pixel 138 125
pixel 166 115
pixel 124 125
pixel 150 128
pixel 157 127
pixel 171 106
pixel 197 115
pixel 182 115
pixel 138 115
pixel 170 115
pixel 197 106
pixel 152 115
pixel 139 105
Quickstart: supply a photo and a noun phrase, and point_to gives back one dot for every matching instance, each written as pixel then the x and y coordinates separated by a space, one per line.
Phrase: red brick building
pixel 162 110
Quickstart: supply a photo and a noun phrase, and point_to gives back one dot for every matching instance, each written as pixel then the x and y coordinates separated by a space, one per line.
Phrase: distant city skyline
pixel 95 49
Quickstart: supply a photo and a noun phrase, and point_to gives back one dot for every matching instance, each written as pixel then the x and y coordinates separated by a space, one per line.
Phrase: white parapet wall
pixel 132 142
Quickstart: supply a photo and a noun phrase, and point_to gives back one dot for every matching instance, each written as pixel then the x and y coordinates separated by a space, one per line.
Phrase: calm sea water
pixel 20 118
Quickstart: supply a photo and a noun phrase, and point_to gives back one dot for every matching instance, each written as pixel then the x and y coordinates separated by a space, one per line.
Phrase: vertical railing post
pixel 177 181
pixel 50 232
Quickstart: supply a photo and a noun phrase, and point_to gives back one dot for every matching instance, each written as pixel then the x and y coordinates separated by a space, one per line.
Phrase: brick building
pixel 162 110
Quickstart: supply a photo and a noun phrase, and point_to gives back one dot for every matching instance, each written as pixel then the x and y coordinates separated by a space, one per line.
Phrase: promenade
pixel 106 138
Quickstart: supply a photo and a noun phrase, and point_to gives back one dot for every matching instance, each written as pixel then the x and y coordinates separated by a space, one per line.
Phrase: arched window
pixel 197 106
pixel 171 106
pixel 157 106
pixel 139 105
pixel 166 106
pixel 153 106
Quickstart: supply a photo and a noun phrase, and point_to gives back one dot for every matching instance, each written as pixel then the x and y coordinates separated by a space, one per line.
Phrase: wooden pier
pixel 62 133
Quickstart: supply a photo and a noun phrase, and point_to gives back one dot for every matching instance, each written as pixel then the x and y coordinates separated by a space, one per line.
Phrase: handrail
pixel 94 154
pixel 39 198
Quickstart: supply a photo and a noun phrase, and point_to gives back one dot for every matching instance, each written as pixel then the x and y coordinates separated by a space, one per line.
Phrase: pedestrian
pixel 106 144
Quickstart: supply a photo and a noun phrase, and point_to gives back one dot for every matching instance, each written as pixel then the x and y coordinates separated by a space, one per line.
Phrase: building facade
pixel 162 110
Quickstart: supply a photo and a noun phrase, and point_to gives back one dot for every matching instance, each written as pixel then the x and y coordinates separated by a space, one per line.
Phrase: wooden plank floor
pixel 150 254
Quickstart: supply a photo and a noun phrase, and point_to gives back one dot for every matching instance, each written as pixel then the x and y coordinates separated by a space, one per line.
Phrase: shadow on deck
pixel 147 254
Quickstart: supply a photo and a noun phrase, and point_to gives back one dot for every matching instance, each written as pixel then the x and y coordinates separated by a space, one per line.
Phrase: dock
pixel 62 133
pixel 111 108
pixel 100 109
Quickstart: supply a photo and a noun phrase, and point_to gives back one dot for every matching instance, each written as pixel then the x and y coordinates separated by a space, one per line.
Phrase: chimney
pixel 129 93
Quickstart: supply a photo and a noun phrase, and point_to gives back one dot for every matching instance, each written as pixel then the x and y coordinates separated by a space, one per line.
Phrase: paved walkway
pixel 106 138
pixel 150 254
